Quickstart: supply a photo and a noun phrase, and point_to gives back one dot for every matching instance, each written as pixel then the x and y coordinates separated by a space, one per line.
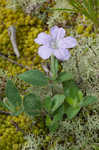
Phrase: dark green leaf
pixel 72 93
pixel 48 104
pixel 12 94
pixel 34 77
pixel 71 112
pixel 57 118
pixel 88 100
pixel 64 76
pixel 32 105
pixel 69 84
pixel 58 115
pixel 58 100
pixel 53 126
pixel 48 121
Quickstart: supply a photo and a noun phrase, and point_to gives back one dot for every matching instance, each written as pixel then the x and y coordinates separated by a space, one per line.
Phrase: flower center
pixel 54 44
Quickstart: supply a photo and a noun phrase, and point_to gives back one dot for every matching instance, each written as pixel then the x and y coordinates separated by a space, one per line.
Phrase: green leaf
pixel 53 126
pixel 80 95
pixel 58 115
pixel 12 94
pixel 34 77
pixel 73 95
pixel 72 101
pixel 58 100
pixel 15 111
pixel 88 100
pixel 71 92
pixel 32 105
pixel 48 121
pixel 56 119
pixel 69 84
pixel 64 76
pixel 71 112
pixel 48 104
pixel 14 101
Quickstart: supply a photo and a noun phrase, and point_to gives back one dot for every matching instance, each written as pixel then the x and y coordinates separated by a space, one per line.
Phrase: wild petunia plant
pixel 52 108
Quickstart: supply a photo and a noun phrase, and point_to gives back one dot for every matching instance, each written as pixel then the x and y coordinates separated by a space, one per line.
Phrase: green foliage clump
pixel 69 101
pixel 79 133
pixel 76 134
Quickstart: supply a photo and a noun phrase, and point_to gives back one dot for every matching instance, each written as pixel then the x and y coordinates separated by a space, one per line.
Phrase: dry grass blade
pixel 89 8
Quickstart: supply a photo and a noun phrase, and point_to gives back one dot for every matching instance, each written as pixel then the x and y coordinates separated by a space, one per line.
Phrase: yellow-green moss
pixel 27 28
pixel 80 29
pixel 84 27
pixel 10 137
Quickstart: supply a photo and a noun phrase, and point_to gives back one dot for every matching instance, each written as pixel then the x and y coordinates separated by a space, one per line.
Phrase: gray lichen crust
pixel 28 6
pixel 57 14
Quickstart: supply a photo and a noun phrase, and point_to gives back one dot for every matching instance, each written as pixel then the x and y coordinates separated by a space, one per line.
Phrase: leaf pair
pixel 31 103
pixel 15 103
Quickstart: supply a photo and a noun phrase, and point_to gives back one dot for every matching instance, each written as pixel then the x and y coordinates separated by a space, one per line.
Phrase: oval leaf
pixel 12 94
pixel 88 100
pixel 48 104
pixel 34 77
pixel 58 100
pixel 71 112
pixel 64 76
pixel 32 105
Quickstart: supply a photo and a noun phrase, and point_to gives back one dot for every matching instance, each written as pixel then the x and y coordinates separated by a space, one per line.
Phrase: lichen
pixel 58 17
pixel 84 64
pixel 32 7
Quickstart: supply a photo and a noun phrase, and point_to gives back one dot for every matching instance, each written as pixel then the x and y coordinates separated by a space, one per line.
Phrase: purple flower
pixel 55 44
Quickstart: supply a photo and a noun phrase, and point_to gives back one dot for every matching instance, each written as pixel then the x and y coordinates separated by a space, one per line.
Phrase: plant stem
pixel 53 67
